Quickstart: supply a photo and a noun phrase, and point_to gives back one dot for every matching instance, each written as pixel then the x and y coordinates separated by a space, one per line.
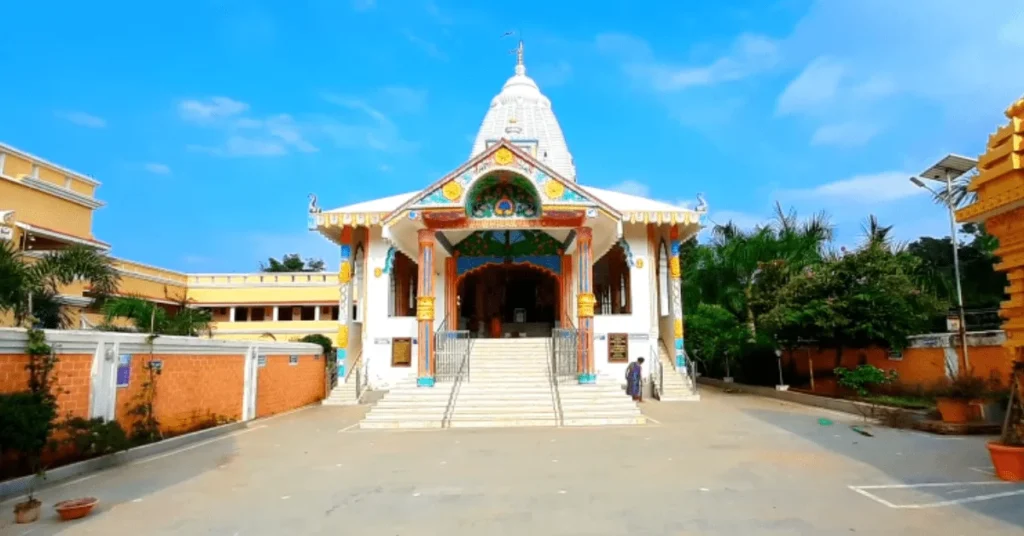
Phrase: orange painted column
pixel 585 304
pixel 565 301
pixel 425 310
pixel 451 292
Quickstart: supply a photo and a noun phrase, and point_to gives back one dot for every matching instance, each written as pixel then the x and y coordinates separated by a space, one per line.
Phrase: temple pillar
pixel 565 292
pixel 344 300
pixel 451 292
pixel 425 310
pixel 585 304
pixel 675 285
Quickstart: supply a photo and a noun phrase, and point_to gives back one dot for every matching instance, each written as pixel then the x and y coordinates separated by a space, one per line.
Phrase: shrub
pixel 95 437
pixel 25 422
pixel 963 387
pixel 862 378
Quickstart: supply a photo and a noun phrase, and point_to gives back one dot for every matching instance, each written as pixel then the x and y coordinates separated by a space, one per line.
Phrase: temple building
pixel 509 245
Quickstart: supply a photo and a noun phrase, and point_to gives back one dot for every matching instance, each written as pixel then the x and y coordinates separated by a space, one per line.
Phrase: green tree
pixel 292 262
pixel 712 333
pixel 30 286
pixel 149 317
pixel 983 286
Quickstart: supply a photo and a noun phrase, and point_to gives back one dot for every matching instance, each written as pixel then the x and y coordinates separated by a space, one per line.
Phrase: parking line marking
pixel 862 490
pixel 983 471
pixel 349 427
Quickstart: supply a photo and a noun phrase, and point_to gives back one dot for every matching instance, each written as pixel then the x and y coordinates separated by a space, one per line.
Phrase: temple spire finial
pixel 518 51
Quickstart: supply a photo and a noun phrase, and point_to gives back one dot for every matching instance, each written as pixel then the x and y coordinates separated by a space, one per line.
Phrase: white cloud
pixel 881 187
pixel 846 134
pixel 405 99
pixel 82 119
pixel 552 74
pixel 157 168
pixel 748 55
pixel 816 86
pixel 632 187
pixel 435 13
pixel 239 146
pixel 744 220
pixel 210 109
pixel 430 48
pixel 380 133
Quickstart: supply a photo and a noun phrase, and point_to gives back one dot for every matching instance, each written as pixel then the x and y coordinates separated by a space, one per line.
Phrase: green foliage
pixel 862 378
pixel 149 317
pixel 292 262
pixel 964 387
pixel 324 341
pixel 94 437
pixel 25 424
pixel 29 287
pixel 712 333
pixel 146 427
pixel 983 286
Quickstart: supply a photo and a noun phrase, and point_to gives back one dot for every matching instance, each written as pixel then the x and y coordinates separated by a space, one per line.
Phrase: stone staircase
pixel 343 394
pixel 676 386
pixel 509 384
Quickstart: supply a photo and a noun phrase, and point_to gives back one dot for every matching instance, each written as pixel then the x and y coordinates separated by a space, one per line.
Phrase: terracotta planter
pixel 27 512
pixel 75 508
pixel 1008 461
pixel 954 410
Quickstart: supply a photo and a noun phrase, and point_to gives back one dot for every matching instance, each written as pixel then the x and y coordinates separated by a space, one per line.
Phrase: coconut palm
pixel 958 195
pixel 149 317
pixel 30 286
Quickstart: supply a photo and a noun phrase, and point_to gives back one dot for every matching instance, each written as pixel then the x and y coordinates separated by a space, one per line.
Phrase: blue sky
pixel 209 121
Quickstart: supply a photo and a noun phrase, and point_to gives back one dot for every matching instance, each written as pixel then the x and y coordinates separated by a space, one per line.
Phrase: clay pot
pixel 27 512
pixel 954 410
pixel 75 508
pixel 1008 461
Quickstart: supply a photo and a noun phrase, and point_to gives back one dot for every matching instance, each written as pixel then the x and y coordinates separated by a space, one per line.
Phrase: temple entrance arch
pixel 509 299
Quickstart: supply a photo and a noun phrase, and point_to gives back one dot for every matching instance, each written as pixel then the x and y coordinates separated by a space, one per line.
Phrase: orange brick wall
pixel 919 366
pixel 71 381
pixel 190 389
pixel 282 386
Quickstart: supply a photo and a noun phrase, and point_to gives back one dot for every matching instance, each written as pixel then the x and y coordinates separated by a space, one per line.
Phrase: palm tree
pixel 149 317
pixel 30 287
pixel 726 271
pixel 958 195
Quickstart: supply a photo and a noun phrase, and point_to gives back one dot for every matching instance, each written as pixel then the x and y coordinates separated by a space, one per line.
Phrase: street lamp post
pixel 951 167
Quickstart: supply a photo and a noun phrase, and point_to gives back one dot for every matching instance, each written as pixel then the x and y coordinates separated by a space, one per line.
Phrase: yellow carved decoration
pixel 425 308
pixel 342 340
pixel 639 263
pixel 554 189
pixel 674 268
pixel 504 157
pixel 345 272
pixel 452 190
pixel 678 325
pixel 585 305
pixel 377 272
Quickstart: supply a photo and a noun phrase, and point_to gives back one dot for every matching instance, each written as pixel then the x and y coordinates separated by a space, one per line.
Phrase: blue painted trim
pixel 679 344
pixel 341 362
pixel 424 382
pixel 588 378
pixel 464 264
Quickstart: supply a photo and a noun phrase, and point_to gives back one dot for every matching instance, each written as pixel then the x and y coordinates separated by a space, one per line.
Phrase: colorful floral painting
pixel 508 243
pixel 503 195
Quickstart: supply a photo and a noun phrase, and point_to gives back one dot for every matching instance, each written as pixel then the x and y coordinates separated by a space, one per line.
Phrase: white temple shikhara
pixel 509 245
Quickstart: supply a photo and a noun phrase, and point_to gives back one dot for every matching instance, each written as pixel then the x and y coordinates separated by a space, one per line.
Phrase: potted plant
pixel 75 508
pixel 27 511
pixel 953 398
pixel 1008 453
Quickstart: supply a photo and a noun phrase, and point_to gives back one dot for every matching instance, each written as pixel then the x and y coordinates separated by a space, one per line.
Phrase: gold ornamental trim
pixel 674 268
pixel 504 157
pixel 678 326
pixel 342 339
pixel 425 308
pixel 585 305
pixel 345 272
pixel 554 189
pixel 452 190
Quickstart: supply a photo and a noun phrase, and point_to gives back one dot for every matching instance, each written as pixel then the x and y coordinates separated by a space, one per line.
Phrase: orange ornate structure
pixel 1000 206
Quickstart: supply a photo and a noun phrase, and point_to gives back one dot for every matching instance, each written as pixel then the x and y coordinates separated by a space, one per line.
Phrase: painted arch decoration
pixel 513 243
pixel 502 195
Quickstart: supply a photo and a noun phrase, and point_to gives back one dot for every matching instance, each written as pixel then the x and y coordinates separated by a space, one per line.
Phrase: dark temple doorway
pixel 508 301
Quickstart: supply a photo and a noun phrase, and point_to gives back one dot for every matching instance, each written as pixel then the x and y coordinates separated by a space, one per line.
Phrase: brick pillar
pixel 425 309
pixel 675 286
pixel 344 301
pixel 585 304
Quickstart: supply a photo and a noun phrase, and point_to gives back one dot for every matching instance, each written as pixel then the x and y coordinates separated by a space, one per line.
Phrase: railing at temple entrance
pixel 564 341
pixel 451 353
pixel 657 374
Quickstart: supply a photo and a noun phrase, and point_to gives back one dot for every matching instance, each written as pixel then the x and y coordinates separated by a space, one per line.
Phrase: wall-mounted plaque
pixel 618 347
pixel 401 352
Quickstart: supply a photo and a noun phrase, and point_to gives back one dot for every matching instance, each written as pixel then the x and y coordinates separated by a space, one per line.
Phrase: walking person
pixel 634 380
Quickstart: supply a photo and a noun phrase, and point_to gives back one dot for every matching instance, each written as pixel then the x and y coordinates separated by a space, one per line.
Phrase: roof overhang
pixel 61 237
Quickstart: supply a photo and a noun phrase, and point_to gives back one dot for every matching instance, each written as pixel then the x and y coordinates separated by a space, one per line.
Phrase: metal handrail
pixel 657 372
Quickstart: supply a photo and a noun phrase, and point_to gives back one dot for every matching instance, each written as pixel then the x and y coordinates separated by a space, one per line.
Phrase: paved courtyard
pixel 731 464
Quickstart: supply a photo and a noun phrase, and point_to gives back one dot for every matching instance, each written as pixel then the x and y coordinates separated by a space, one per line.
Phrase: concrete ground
pixel 730 464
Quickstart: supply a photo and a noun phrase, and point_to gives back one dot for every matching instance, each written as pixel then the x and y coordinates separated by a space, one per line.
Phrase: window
pixel 285 313
pixel 124 370
pixel 307 313
pixel 612 283
pixel 261 361
pixel 334 312
pixel 293 360
pixel 258 314
pixel 402 287
pixel 663 280
pixel 241 314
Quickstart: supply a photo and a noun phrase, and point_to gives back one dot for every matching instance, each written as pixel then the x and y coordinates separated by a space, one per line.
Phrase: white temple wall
pixel 638 324
pixel 378 327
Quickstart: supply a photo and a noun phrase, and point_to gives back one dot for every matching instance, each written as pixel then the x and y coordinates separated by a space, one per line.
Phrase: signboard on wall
pixel 618 347
pixel 124 369
pixel 6 233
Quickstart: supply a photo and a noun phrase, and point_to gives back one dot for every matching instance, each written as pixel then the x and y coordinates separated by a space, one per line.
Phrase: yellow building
pixel 46 207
